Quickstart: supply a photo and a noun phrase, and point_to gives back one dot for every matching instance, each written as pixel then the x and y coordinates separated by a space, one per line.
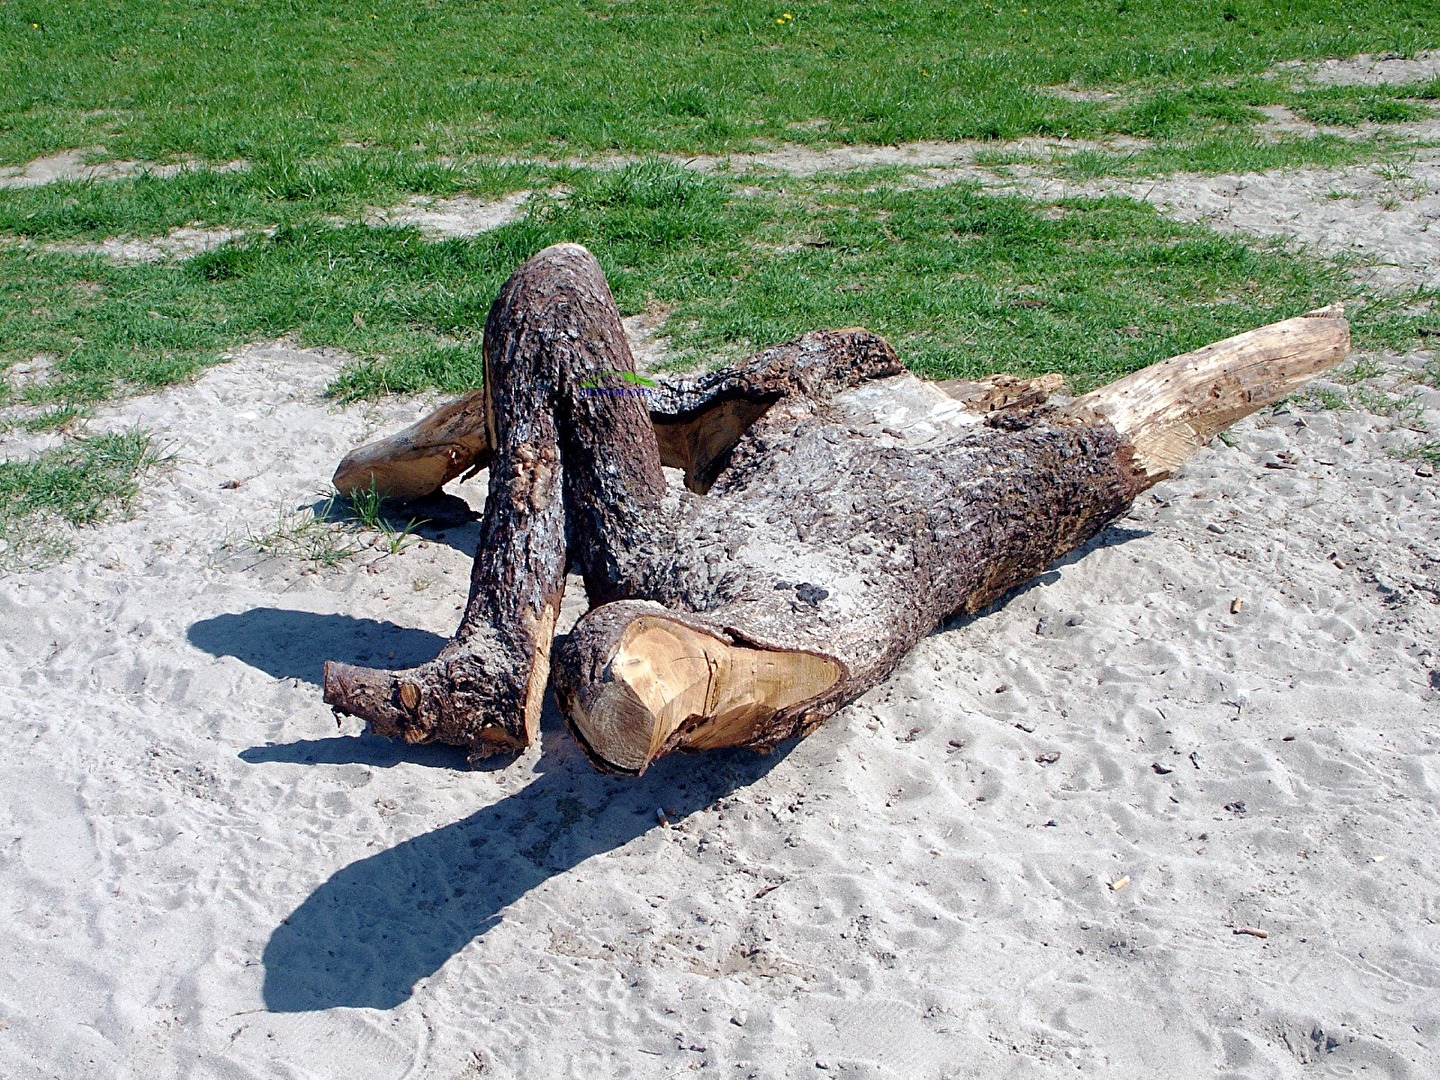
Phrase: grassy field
pixel 339 108
pixel 963 283
pixel 270 79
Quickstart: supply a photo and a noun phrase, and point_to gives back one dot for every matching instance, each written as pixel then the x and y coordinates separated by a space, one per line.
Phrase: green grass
pixel 80 483
pixel 366 508
pixel 331 532
pixel 1107 285
pixel 296 79
pixel 272 192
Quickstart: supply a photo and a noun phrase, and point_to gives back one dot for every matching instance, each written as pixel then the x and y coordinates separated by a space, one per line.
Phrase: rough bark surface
pixel 552 337
pixel 837 511
pixel 697 420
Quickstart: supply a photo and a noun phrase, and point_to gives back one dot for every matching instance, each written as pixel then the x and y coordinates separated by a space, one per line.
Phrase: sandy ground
pixel 1366 70
pixel 204 878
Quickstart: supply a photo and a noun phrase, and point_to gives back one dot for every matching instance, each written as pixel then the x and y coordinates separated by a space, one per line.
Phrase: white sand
pixel 202 877
pixel 1365 70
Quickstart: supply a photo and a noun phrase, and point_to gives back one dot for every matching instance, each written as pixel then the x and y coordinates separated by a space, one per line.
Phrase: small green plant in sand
pixel 82 482
pixel 366 507
pixel 1427 453
pixel 332 531
pixel 1405 409
pixel 307 534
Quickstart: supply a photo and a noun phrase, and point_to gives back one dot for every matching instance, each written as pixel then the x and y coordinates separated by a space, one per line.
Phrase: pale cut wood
pixel 1171 409
pixel 422 458
pixel 679 685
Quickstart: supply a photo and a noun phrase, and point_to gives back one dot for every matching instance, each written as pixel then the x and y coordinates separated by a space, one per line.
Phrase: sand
pixel 1384 220
pixel 204 877
pixel 1365 70
pixel 459 216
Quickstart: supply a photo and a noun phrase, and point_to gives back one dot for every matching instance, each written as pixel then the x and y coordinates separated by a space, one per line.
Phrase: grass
pixel 270 192
pixel 366 508
pixel 299 78
pixel 80 483
pixel 332 531
pixel 1428 452
pixel 306 533
pixel 1108 284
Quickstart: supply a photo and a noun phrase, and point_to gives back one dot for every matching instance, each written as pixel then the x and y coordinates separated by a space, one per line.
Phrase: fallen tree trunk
pixel 837 511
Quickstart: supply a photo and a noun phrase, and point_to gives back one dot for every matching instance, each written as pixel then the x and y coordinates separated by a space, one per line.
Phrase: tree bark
pixel 836 511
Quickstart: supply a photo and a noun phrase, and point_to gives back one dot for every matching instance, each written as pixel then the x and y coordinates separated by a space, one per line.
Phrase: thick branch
pixel 1171 409
pixel 698 420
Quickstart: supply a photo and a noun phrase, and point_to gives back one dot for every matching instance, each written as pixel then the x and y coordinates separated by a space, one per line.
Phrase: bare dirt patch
pixel 796 160
pixel 74 165
pixel 459 216
pixel 181 243
pixel 1366 70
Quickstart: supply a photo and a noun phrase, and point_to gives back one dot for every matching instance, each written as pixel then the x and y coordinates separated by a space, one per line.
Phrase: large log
pixel 837 511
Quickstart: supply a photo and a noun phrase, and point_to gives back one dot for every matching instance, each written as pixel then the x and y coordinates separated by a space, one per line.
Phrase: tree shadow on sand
pixel 295 644
pixel 366 937
pixel 375 929
pixel 369 934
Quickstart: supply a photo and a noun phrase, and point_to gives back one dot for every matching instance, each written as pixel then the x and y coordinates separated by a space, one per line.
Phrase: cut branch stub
pixel 424 457
pixel 1171 409
pixel 837 513
pixel 672 682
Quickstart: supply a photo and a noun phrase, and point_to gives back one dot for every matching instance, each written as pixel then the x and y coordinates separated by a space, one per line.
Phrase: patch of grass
pixel 1362 368
pixel 1109 284
pixel 1427 451
pixel 331 532
pixel 80 483
pixel 1329 399
pixel 280 191
pixel 299 78
pixel 367 509
pixel 55 419
pixel 1405 409
pixel 308 534
pixel 1350 106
